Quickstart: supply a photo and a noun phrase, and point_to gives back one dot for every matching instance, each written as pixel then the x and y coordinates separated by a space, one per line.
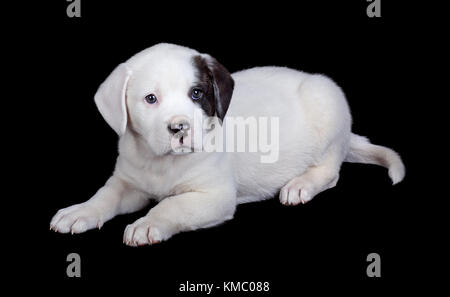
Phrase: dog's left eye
pixel 196 94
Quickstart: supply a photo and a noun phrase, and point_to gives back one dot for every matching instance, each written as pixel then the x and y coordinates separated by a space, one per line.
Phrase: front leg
pixel 184 212
pixel 114 198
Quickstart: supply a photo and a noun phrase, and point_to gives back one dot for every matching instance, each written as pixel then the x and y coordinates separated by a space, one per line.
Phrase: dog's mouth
pixel 181 144
pixel 184 142
pixel 182 149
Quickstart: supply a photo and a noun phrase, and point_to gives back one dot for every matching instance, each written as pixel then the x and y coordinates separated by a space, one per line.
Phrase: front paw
pixel 76 219
pixel 143 232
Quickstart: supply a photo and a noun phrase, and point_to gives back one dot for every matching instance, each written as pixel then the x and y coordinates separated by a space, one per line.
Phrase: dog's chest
pixel 159 179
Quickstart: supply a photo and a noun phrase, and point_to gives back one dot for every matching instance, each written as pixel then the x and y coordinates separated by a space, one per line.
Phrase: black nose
pixel 177 127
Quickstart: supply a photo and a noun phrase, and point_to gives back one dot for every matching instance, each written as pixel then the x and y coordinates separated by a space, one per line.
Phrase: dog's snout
pixel 178 124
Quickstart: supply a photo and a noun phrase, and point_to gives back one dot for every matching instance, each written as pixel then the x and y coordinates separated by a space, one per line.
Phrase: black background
pixel 323 244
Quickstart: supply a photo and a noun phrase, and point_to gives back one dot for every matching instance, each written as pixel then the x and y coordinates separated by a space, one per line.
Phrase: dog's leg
pixel 187 211
pixel 115 197
pixel 313 181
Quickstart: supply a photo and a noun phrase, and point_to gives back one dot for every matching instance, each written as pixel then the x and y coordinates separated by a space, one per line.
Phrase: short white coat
pixel 202 189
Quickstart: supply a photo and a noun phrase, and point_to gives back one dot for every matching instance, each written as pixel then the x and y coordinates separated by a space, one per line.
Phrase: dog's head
pixel 163 93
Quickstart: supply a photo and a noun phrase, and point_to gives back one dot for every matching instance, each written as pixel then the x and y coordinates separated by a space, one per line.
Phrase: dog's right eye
pixel 151 99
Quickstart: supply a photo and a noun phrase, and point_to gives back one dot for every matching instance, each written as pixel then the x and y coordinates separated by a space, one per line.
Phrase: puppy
pixel 158 103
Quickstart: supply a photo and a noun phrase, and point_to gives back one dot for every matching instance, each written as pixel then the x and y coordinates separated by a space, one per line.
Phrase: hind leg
pixel 314 180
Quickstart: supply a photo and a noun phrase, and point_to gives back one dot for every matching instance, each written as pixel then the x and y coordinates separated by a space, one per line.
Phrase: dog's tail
pixel 362 151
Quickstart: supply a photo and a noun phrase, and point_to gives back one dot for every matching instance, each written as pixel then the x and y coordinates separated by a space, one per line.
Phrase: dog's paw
pixel 76 219
pixel 143 232
pixel 295 192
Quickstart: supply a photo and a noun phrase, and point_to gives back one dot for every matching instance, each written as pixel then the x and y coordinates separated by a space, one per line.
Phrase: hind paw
pixel 295 192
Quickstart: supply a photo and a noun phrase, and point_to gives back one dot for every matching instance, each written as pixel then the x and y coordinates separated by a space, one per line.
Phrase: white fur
pixel 199 190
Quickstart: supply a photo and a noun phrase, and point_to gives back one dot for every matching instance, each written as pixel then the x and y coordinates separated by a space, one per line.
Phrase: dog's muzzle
pixel 179 127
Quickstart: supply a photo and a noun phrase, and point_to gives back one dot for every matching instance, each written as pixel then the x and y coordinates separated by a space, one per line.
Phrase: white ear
pixel 111 96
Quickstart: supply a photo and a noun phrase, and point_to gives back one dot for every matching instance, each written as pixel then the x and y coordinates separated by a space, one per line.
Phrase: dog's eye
pixel 196 94
pixel 151 98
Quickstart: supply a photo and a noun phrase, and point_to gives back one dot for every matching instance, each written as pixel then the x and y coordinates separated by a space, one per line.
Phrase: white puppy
pixel 151 101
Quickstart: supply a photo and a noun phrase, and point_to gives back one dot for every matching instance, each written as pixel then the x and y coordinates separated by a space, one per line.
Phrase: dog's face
pixel 163 94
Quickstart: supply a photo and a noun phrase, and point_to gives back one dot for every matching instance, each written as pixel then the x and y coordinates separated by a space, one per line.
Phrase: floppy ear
pixel 223 86
pixel 111 98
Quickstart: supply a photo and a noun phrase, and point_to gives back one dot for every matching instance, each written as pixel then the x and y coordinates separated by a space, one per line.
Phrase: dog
pixel 150 101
